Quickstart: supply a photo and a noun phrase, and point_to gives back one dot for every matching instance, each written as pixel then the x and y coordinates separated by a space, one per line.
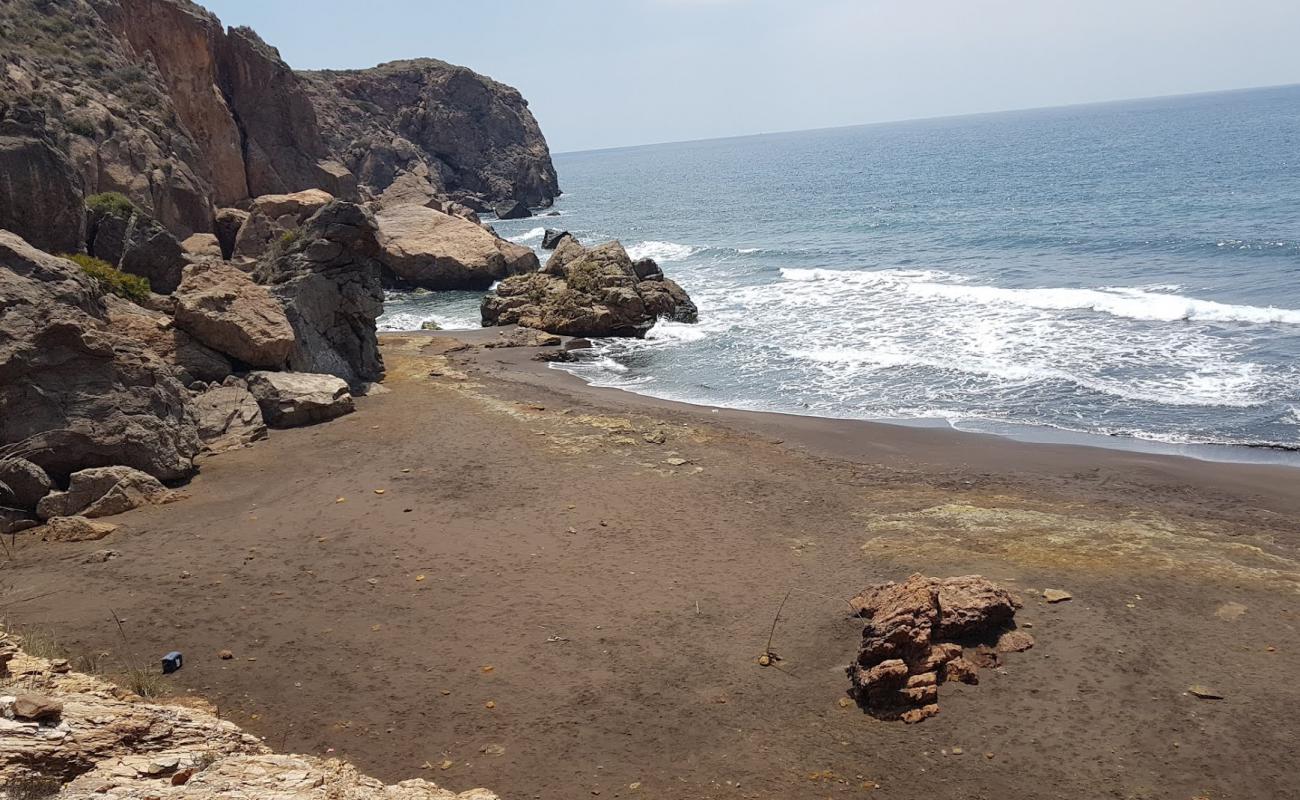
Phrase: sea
pixel 1124 274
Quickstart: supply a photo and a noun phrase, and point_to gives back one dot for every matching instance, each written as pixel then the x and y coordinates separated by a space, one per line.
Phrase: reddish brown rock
pixel 913 641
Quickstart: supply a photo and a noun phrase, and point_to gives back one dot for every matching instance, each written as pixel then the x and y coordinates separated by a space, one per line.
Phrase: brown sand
pixel 542 556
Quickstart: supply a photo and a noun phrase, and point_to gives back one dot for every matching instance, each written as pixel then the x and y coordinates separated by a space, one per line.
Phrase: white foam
pixel 535 233
pixel 677 332
pixel 662 251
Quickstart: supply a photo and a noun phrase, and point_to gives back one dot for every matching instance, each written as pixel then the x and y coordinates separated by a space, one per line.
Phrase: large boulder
pixel 76 392
pixel 274 217
pixel 135 242
pixel 157 331
pixel 229 416
pixel 202 246
pixel 227 225
pixel 222 307
pixel 22 484
pixel 103 492
pixel 512 210
pixel 552 237
pixel 291 399
pixel 330 284
pixel 437 251
pixel 585 292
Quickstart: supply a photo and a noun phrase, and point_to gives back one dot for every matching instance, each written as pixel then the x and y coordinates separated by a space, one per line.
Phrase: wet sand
pixel 539 550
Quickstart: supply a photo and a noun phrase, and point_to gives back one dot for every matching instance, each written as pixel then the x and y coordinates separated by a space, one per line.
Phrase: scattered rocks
pixel 1056 595
pixel 291 399
pixel 193 360
pixel 103 492
pixel 101 557
pixel 913 641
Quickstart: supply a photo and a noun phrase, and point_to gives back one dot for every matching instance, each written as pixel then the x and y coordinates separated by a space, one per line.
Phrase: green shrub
pixel 114 203
pixel 122 284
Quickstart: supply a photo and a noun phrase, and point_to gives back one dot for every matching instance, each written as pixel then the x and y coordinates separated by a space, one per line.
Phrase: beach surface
pixel 494 575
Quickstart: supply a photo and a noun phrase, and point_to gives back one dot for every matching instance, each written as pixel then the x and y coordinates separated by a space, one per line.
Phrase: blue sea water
pixel 1128 269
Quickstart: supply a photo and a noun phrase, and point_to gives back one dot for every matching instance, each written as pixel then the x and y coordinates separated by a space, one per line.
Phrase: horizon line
pixel 930 118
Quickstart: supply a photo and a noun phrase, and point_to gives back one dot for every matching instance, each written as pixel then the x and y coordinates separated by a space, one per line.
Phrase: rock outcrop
pixel 434 128
pixel 271 217
pixel 914 638
pixel 551 238
pixel 74 736
pixel 158 332
pixel 329 281
pixel 223 308
pixel 78 393
pixel 291 399
pixel 136 243
pixel 432 250
pixel 583 292
pixel 156 100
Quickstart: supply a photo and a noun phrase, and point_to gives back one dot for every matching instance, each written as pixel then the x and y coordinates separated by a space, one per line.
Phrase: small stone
pixel 225 655
pixel 957 751
pixel 1014 642
pixel 490 704
pixel 493 750
pixel 445 692
pixel 489 668
pixel 765 660
pixel 60 666
pixel 379 491
pixel 445 765
pixel 634 785
pixel 676 462
pixel 654 437
pixel 1204 692
pixel 100 556
pixel 1229 612
pixel 1056 595
pixel 845 702
pixel 419 578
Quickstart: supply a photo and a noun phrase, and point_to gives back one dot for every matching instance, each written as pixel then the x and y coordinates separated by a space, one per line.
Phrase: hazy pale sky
pixel 606 73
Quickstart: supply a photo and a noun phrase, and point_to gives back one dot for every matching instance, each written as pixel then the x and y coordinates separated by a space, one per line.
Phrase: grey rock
pixel 103 492
pixel 292 399
pixel 22 483
pixel 229 417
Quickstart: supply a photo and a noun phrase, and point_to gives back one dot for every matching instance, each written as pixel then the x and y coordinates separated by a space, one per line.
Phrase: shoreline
pixel 492 574
pixel 914 446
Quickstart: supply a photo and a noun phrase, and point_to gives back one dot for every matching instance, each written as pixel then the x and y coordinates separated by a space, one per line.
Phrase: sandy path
pixel 621 601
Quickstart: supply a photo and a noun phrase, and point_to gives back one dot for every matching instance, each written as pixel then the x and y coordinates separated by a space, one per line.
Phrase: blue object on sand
pixel 171 662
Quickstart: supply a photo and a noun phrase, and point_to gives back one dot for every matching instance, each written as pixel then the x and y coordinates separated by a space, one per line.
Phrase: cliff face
pixel 408 127
pixel 156 100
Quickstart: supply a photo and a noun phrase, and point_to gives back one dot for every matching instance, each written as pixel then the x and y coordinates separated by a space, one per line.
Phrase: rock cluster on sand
pixel 915 640
pixel 589 292
pixel 84 738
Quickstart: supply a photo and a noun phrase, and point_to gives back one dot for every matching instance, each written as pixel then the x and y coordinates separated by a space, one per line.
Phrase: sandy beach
pixel 494 575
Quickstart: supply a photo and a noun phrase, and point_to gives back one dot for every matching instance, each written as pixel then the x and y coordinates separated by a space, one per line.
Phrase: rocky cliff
pixel 425 128
pixel 157 100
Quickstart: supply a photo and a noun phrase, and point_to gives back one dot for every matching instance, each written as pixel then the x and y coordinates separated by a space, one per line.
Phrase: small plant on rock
pixel 114 280
pixel 111 203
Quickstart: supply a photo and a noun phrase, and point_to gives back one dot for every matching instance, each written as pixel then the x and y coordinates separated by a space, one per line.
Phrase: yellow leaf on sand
pixel 419 577
pixel 445 765
pixel 490 704
pixel 379 491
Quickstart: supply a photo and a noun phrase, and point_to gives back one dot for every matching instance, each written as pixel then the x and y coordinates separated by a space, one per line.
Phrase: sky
pixel 610 73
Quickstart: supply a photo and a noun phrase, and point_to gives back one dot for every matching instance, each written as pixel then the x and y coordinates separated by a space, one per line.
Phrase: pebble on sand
pixel 1056 595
